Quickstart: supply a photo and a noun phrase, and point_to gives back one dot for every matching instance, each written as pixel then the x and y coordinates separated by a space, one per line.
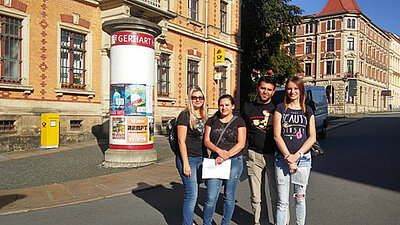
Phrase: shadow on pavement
pixel 8 199
pixel 365 151
pixel 165 200
pixel 101 132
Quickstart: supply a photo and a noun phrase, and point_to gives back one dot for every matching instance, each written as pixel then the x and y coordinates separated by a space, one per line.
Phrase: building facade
pixel 394 71
pixel 50 64
pixel 341 47
pixel 55 59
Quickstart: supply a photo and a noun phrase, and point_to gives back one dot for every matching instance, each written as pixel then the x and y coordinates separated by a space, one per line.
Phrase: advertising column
pixel 132 65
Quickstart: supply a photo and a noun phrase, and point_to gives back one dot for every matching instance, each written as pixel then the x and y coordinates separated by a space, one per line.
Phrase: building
pixel 394 71
pixel 56 60
pixel 341 47
pixel 192 32
pixel 50 64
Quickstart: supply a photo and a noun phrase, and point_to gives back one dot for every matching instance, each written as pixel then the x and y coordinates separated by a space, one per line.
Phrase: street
pixel 356 182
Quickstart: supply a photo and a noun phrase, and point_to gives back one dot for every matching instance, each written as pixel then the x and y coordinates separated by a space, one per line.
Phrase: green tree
pixel 264 31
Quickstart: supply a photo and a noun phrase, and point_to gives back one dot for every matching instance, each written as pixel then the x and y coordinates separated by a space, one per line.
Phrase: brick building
pixel 340 44
pixel 55 59
pixel 50 64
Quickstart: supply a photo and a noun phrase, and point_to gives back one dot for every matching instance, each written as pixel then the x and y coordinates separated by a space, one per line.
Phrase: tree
pixel 264 32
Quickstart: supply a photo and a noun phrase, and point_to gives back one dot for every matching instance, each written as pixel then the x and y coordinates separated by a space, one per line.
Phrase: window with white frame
pixel 72 59
pixel 192 74
pixel 330 46
pixel 333 25
pixel 163 75
pixel 350 67
pixel 223 16
pixel 350 43
pixel 11 40
pixel 307 69
pixel 193 7
pixel 222 81
pixel 330 67
pixel 308 47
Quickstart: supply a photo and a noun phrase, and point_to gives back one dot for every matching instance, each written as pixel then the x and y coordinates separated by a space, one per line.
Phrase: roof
pixel 339 6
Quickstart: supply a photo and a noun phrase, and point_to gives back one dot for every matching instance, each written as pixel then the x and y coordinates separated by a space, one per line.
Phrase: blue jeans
pixel 191 187
pixel 282 173
pixel 213 190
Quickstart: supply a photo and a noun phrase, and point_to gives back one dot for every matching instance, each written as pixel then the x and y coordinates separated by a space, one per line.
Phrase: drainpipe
pixel 205 51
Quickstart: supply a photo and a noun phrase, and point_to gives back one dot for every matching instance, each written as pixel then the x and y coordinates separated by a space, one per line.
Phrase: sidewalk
pixel 77 191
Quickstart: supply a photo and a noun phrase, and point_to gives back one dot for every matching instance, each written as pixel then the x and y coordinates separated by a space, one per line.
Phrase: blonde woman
pixel 293 160
pixel 191 149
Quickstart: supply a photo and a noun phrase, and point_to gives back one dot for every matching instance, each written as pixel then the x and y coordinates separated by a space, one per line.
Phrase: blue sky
pixel 384 14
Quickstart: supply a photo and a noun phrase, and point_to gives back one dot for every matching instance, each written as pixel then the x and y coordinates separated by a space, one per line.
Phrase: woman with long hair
pixel 190 127
pixel 230 147
pixel 293 160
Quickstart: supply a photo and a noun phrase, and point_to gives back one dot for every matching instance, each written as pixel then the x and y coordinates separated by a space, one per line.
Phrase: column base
pixel 129 158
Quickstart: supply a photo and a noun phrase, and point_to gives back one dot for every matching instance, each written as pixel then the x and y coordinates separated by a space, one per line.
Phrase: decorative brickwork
pixel 180 71
pixel 15 4
pixel 43 65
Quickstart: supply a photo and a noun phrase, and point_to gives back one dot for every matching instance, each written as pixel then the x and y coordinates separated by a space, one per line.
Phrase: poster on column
pixel 135 100
pixel 118 130
pixel 137 129
pixel 150 100
pixel 117 99
pixel 151 129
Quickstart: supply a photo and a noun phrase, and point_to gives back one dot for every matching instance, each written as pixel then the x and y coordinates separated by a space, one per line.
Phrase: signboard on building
pixel 219 54
pixel 386 93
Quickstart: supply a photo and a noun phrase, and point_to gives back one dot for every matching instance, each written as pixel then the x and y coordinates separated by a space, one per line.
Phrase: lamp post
pixel 344 79
pixel 331 80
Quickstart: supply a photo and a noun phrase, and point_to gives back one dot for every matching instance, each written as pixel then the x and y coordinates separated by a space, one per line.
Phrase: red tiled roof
pixel 340 6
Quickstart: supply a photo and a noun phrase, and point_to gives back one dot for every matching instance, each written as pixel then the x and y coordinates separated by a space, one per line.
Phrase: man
pixel 258 116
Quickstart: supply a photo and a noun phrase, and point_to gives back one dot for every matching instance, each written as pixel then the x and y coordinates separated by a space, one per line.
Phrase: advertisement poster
pixel 137 129
pixel 117 99
pixel 151 129
pixel 135 100
pixel 150 100
pixel 118 128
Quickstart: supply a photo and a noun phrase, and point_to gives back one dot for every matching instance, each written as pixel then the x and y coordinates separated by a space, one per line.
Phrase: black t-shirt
pixel 194 137
pixel 294 125
pixel 230 137
pixel 259 121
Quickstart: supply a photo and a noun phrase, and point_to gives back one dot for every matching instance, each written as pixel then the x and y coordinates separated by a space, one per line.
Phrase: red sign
pixel 132 38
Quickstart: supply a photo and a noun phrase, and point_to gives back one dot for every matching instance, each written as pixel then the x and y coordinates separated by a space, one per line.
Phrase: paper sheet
pixel 220 171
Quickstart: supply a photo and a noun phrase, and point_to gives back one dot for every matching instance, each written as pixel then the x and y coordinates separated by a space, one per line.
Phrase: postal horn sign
pixel 219 57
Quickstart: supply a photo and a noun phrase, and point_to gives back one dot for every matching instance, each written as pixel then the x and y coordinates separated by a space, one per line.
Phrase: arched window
pixel 353 23
pixel 311 27
pixel 333 25
pixel 348 23
pixel 329 25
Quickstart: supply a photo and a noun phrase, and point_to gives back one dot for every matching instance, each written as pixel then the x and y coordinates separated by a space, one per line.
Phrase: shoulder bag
pixel 315 149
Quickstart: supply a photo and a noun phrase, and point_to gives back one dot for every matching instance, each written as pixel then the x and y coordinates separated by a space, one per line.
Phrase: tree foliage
pixel 264 31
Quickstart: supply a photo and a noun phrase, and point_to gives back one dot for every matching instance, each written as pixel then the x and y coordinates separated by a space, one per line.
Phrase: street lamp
pixel 344 79
pixel 332 69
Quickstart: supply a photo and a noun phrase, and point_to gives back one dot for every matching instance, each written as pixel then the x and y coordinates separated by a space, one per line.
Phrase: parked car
pixel 317 100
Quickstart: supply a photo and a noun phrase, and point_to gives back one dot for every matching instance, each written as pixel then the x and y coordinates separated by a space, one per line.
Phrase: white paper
pixel 220 171
pixel 300 177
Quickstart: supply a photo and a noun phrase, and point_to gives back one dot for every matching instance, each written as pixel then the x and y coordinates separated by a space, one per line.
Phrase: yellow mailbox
pixel 50 130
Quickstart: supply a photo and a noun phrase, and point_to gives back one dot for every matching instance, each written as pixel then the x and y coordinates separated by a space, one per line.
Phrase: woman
pixel 191 151
pixel 229 148
pixel 293 141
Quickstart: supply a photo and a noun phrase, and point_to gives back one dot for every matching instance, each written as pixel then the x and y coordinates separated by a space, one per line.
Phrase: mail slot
pixel 50 130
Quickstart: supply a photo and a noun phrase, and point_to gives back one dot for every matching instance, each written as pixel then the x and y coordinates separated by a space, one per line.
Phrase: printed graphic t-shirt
pixel 230 137
pixel 194 137
pixel 258 119
pixel 294 125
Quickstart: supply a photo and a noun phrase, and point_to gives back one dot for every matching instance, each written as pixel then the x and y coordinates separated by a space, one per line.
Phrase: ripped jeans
pixel 214 188
pixel 282 173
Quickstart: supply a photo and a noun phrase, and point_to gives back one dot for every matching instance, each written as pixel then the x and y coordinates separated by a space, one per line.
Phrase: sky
pixel 385 14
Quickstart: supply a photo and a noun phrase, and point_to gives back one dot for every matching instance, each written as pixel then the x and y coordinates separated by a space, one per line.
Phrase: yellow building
pixel 394 71
pixel 51 64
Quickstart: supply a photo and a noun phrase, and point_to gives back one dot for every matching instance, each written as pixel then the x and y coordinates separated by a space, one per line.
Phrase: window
pixel 7 125
pixel 192 9
pixel 307 28
pixel 75 124
pixel 361 45
pixel 192 75
pixel 330 45
pixel 348 23
pixel 329 25
pixel 333 25
pixel 353 23
pixel 308 69
pixel 350 43
pixel 350 67
pixel 292 49
pixel 163 75
pixel 11 49
pixel 223 12
pixel 330 67
pixel 222 81
pixel 72 65
pixel 311 27
pixel 330 93
pixel 308 47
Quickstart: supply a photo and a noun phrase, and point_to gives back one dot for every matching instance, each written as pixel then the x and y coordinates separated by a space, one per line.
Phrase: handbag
pixel 315 149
